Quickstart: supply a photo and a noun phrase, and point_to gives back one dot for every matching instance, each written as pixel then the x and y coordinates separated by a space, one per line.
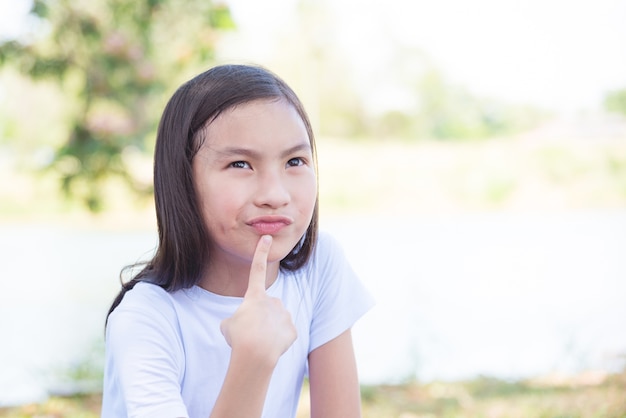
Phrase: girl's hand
pixel 261 327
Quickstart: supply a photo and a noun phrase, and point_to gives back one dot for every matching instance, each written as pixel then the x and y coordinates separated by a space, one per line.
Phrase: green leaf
pixel 221 18
pixel 40 9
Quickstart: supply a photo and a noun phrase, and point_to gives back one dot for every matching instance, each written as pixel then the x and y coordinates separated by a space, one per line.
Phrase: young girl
pixel 243 298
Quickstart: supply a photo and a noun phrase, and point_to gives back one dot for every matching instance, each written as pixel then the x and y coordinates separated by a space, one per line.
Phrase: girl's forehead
pixel 254 120
pixel 251 105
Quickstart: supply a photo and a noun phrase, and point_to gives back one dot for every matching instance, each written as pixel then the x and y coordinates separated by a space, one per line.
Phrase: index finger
pixel 258 269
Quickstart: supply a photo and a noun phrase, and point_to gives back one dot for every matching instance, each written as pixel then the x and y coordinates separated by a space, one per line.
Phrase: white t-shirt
pixel 166 356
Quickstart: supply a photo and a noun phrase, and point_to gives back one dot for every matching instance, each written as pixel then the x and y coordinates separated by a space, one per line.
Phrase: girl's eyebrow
pixel 233 151
pixel 305 146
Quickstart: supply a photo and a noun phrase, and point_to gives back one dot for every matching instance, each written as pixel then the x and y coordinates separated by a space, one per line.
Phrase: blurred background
pixel 472 160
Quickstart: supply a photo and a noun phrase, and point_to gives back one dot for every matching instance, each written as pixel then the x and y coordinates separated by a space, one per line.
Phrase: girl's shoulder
pixel 326 244
pixel 147 298
pixel 328 263
pixel 327 250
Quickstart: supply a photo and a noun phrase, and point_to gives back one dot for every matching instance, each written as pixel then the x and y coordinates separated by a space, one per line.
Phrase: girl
pixel 242 298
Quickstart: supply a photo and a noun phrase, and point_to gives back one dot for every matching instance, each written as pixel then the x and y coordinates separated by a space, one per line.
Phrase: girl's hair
pixel 182 251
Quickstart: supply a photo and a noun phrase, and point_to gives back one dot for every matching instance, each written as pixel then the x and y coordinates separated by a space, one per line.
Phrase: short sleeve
pixel 339 297
pixel 144 357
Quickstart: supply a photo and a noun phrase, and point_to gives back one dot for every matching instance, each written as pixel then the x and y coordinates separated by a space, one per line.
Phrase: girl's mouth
pixel 270 225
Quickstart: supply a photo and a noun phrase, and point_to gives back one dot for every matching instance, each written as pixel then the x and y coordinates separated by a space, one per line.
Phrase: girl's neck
pixel 231 279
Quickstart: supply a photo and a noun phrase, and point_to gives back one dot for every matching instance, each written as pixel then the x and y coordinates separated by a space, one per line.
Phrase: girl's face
pixel 255 175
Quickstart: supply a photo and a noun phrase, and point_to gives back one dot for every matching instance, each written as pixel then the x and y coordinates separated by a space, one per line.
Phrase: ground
pixel 591 395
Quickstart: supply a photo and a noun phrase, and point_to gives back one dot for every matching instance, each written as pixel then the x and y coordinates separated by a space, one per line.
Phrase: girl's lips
pixel 269 225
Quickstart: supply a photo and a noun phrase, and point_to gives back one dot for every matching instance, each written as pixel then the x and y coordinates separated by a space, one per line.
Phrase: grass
pixel 577 397
pixel 486 397
pixel 514 174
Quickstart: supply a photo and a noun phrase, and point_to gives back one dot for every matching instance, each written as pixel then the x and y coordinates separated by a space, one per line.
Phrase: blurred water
pixel 57 284
pixel 506 295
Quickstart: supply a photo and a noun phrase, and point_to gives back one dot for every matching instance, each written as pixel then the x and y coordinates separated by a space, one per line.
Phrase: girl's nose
pixel 272 191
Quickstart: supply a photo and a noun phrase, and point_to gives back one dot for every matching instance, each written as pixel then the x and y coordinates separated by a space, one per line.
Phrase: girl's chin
pixel 280 249
pixel 277 255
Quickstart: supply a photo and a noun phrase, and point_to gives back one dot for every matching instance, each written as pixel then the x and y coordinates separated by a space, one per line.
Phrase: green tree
pixel 114 59
pixel 615 101
pixel 449 112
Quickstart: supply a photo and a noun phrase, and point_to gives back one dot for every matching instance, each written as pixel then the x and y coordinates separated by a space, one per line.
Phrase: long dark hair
pixel 181 253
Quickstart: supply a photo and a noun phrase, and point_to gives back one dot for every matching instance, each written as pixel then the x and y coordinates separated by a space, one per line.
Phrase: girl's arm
pixel 259 332
pixel 333 380
pixel 245 387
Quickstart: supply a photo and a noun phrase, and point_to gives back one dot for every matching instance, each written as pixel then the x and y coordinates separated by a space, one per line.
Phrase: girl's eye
pixel 239 164
pixel 295 162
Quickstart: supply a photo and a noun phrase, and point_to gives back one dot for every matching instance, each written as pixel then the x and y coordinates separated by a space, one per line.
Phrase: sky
pixel 556 53
pixel 559 54
pixel 12 13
